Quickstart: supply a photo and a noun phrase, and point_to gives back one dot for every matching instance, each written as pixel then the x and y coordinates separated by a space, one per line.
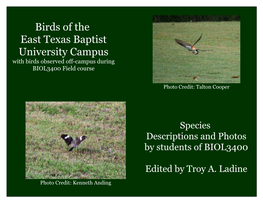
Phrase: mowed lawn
pixel 173 63
pixel 102 155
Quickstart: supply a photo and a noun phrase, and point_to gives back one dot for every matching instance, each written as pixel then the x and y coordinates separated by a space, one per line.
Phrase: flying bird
pixel 74 143
pixel 189 46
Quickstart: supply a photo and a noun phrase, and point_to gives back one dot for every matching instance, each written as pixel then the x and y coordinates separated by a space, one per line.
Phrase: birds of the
pixel 189 46
pixel 74 143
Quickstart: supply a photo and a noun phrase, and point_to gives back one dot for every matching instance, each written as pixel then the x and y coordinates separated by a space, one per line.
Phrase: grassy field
pixel 102 155
pixel 173 63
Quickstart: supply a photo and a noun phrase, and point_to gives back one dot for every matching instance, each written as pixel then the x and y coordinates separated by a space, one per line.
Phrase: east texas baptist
pixel 24 51
pixel 195 169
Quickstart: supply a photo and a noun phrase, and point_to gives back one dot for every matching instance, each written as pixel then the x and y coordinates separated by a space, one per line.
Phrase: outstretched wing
pixel 182 43
pixel 80 140
pixel 68 139
pixel 198 39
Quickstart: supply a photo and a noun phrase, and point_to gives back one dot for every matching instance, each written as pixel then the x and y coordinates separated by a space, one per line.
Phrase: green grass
pixel 173 63
pixel 101 156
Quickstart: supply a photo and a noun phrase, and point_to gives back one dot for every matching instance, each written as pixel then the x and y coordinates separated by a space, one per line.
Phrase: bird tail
pixel 71 148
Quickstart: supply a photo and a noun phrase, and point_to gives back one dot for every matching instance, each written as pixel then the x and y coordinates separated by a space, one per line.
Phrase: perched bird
pixel 189 46
pixel 74 143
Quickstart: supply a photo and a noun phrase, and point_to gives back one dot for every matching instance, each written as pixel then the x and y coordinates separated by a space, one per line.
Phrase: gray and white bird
pixel 74 143
pixel 189 46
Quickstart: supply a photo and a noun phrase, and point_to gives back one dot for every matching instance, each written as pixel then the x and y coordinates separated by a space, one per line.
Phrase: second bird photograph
pixel 75 140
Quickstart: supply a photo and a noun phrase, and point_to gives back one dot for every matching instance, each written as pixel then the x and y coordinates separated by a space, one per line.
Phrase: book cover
pixel 131 101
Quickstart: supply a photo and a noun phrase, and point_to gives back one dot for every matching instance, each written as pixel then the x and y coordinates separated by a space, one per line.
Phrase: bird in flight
pixel 189 46
pixel 74 143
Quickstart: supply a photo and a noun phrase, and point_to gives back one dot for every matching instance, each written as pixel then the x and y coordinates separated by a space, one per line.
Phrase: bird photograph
pixel 213 40
pixel 75 140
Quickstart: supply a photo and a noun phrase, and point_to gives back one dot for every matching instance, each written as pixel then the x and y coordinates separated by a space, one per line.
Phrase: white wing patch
pixel 67 137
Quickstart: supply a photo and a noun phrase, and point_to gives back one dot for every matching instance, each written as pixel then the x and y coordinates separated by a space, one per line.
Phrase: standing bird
pixel 189 46
pixel 74 143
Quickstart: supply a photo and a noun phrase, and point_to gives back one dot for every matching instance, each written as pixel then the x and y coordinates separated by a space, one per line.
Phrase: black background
pixel 149 107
